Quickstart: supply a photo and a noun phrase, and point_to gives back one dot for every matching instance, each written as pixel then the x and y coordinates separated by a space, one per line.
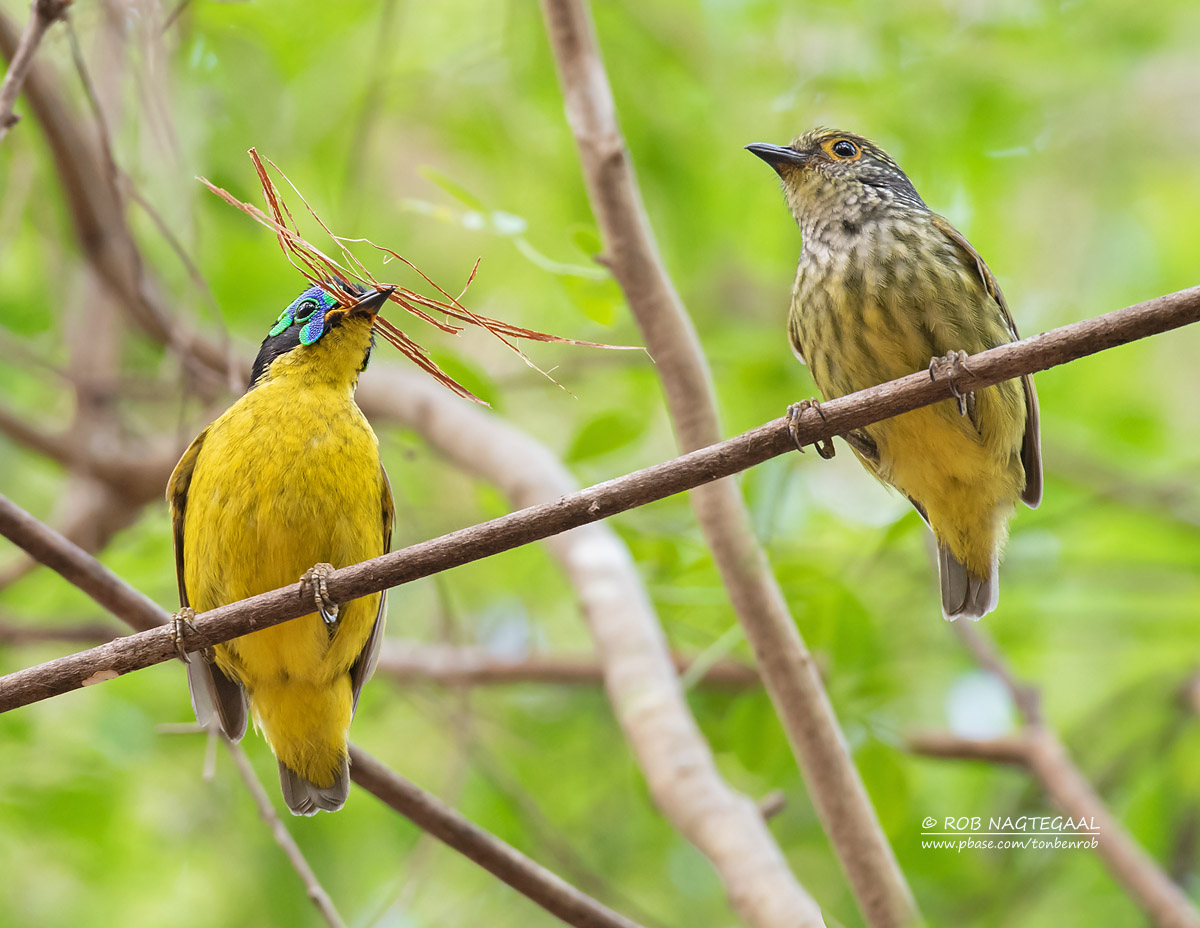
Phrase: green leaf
pixel 587 240
pixel 469 375
pixel 452 187
pixel 605 433
pixel 599 300
pixel 546 263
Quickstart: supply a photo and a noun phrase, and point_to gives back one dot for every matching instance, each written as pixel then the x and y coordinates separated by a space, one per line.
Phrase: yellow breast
pixel 288 477
pixel 284 480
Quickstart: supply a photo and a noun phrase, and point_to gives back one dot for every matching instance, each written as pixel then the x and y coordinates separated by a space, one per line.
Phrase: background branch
pixel 461 665
pixel 784 661
pixel 15 633
pixel 428 812
pixel 86 173
pixel 541 521
pixel 1038 749
pixel 42 15
pixel 639 673
pixel 316 892
pixel 524 875
pixel 409 662
pixel 947 746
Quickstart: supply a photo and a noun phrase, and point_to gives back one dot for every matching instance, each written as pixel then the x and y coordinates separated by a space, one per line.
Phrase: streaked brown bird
pixel 884 285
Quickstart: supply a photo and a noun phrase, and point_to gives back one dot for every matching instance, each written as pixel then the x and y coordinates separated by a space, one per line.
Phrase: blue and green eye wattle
pixel 308 310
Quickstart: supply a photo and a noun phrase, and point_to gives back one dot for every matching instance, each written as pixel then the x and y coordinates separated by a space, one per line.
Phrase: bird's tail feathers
pixel 964 592
pixel 213 693
pixel 304 797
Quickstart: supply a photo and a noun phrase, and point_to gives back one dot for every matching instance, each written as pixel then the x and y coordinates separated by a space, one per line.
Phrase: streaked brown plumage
pixel 884 285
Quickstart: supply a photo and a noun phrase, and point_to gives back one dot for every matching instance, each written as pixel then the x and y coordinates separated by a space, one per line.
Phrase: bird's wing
pixel 1031 444
pixel 794 333
pixel 208 686
pixel 362 669
pixel 177 492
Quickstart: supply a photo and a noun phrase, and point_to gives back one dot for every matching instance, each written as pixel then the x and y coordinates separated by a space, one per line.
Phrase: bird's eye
pixel 844 148
pixel 305 310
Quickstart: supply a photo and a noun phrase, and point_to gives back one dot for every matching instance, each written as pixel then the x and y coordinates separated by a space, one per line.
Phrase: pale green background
pixel 1060 137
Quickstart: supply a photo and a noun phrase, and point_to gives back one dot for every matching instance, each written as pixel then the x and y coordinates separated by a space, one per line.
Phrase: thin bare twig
pixel 630 252
pixel 84 167
pixel 514 868
pixel 462 665
pixel 42 15
pixel 586 506
pixel 426 811
pixel 1004 750
pixel 1026 697
pixel 551 838
pixel 643 686
pixel 283 837
pixel 639 677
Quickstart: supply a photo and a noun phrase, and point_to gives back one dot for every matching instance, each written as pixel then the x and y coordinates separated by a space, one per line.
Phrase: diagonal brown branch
pixel 510 865
pixel 42 15
pixel 1038 749
pixel 78 567
pixel 581 508
pixel 784 661
pixel 417 662
pixel 672 752
pixel 428 812
pixel 641 681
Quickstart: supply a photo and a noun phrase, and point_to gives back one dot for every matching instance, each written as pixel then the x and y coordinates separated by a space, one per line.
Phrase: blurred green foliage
pixel 1059 136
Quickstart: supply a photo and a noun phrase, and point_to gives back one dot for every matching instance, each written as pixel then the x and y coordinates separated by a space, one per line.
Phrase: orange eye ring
pixel 841 150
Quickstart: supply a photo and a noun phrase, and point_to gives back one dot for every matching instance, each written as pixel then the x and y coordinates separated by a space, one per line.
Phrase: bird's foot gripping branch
pixel 841 416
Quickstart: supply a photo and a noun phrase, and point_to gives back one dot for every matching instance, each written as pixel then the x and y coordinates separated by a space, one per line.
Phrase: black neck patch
pixel 289 339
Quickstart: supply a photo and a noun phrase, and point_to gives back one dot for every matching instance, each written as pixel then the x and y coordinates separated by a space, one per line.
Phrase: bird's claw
pixel 317 575
pixel 825 446
pixel 952 365
pixel 181 623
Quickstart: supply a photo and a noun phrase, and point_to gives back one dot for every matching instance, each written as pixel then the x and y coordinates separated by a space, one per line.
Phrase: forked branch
pixel 42 15
pixel 1039 750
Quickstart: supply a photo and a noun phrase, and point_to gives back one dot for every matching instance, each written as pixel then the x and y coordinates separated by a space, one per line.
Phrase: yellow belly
pixel 964 472
pixel 282 482
pixel 966 485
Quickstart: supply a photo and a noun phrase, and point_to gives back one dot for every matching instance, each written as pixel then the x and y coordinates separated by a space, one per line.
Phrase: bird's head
pixel 321 338
pixel 838 173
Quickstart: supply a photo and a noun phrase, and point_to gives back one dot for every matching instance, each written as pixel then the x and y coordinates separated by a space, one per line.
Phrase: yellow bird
pixel 884 284
pixel 287 478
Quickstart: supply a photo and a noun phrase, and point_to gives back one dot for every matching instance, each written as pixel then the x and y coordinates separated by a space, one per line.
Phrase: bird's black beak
pixel 778 156
pixel 370 304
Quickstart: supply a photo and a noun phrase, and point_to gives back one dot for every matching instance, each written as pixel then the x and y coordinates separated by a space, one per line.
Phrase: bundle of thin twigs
pixel 336 278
